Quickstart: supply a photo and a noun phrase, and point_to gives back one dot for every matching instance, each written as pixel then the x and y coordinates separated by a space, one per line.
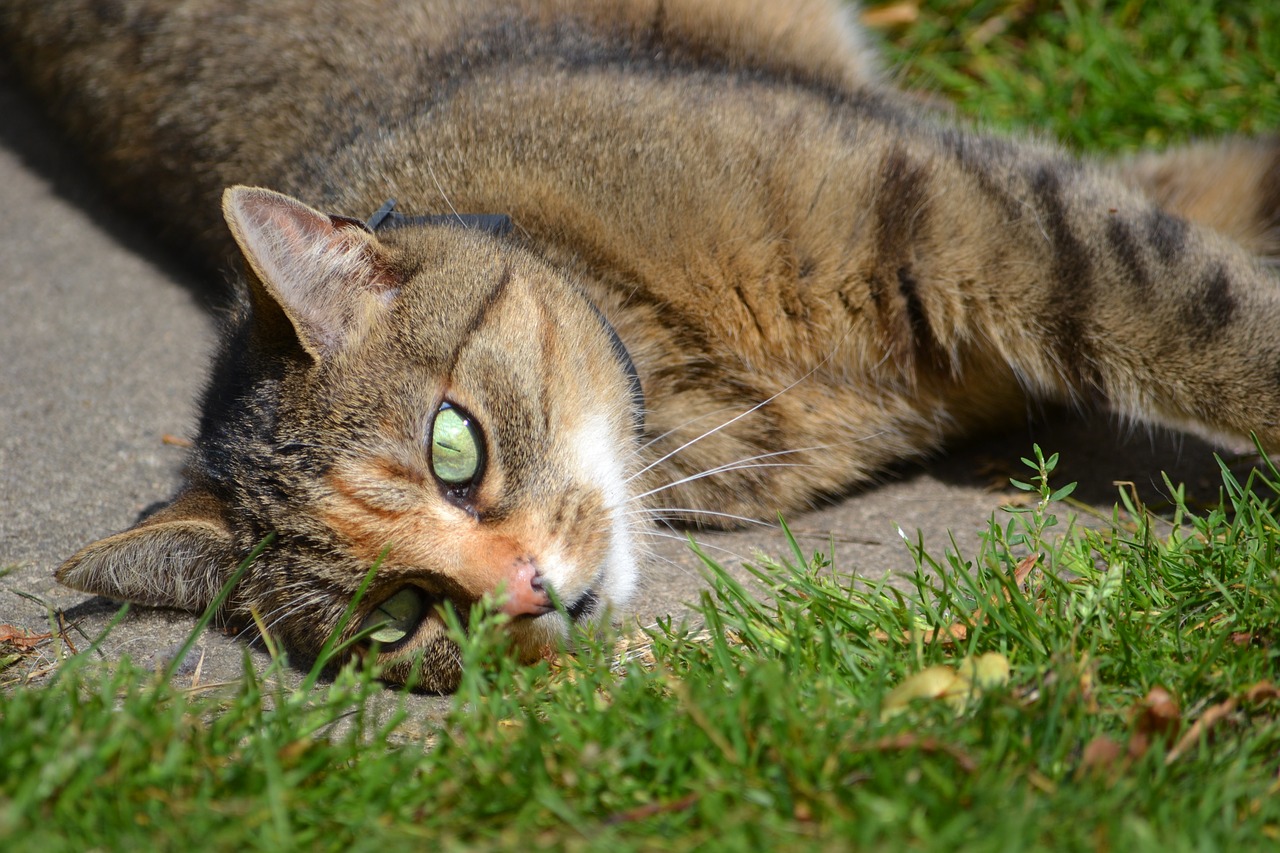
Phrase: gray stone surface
pixel 103 348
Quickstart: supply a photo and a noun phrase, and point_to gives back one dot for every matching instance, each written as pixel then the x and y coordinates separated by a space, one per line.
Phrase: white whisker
pixel 721 469
pixel 741 415
pixel 704 545
pixel 662 514
pixel 432 172
pixel 694 441
pixel 676 564
pixel 681 426
pixel 680 568
pixel 284 611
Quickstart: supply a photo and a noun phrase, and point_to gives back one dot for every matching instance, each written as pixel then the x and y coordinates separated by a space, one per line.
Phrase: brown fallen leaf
pixel 1156 717
pixel 21 639
pixel 652 809
pixel 175 440
pixel 926 743
pixel 1101 757
pixel 1087 683
pixel 1159 712
pixel 291 753
pixel 947 635
pixel 1023 569
pixel 1261 692
pixel 1210 718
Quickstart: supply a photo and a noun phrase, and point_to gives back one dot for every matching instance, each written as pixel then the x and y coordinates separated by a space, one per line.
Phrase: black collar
pixel 387 218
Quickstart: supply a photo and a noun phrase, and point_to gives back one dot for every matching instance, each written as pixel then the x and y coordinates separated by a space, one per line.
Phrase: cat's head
pixel 430 397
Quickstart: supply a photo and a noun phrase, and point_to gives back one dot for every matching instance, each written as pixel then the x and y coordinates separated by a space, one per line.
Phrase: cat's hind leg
pixel 1089 290
pixel 1231 186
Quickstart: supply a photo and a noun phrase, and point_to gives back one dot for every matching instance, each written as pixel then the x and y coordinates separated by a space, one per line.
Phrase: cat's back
pixel 176 100
pixel 367 40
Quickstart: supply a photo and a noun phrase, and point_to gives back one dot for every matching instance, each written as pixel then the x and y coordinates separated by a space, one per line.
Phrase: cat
pixel 689 261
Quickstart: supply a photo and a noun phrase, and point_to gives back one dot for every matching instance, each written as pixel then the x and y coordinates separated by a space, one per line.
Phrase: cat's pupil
pixel 397 617
pixel 456 453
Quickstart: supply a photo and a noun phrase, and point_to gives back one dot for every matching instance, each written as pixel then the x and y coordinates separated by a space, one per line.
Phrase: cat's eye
pixel 457 449
pixel 397 617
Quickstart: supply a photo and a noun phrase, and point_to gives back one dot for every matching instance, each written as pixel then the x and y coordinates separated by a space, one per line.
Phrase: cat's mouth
pixel 584 607
pixel 400 615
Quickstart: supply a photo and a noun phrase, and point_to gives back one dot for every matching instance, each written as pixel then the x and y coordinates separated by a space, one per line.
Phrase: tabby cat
pixel 725 271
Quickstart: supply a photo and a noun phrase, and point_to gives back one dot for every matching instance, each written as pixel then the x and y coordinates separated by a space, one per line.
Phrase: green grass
pixel 777 726
pixel 1101 76
pixel 784 723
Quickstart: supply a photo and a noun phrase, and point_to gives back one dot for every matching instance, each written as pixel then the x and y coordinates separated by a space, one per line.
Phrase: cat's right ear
pixel 179 557
pixel 326 274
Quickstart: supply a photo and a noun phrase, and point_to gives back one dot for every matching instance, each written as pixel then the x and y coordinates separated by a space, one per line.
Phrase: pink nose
pixel 525 591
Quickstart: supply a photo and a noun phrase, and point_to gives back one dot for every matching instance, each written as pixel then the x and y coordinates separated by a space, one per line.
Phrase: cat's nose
pixel 526 591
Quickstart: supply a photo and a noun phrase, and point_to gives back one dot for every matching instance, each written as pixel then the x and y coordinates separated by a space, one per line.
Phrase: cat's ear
pixel 326 273
pixel 179 557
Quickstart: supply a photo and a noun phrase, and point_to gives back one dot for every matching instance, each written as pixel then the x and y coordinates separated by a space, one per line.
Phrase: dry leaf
pixel 18 638
pixel 892 15
pixel 926 743
pixel 948 635
pixel 1261 692
pixel 1156 717
pixel 957 687
pixel 1024 568
pixel 986 671
pixel 647 811
pixel 1101 755
pixel 1158 713
pixel 1086 683
pixel 290 753
pixel 957 631
pixel 1202 726
pixel 931 683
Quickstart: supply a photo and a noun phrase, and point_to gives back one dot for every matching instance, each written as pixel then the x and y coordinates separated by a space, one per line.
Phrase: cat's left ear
pixel 327 273
pixel 180 557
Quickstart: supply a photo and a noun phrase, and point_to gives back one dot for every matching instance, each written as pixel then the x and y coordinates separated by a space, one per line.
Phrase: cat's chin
pixel 539 637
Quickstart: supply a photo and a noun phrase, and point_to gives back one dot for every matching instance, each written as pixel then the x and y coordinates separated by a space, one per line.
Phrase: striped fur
pixel 814 275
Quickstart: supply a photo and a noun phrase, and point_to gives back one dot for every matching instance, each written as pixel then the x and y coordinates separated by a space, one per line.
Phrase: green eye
pixel 397 617
pixel 456 453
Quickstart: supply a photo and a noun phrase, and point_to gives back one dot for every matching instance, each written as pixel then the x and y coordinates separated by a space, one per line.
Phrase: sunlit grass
pixel 1138 700
pixel 1100 76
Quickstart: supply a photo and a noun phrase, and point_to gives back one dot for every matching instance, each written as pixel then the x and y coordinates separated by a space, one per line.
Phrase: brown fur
pixel 1231 185
pixel 814 275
